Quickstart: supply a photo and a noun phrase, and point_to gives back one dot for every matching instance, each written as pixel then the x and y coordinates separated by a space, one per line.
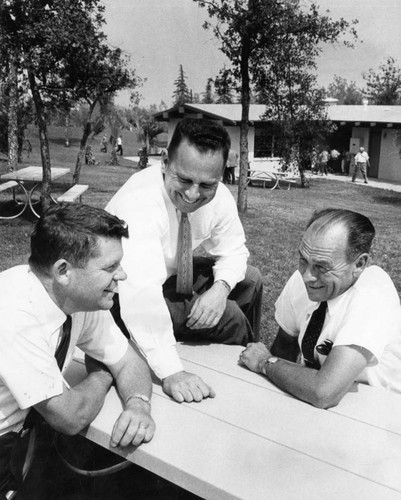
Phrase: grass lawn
pixel 273 224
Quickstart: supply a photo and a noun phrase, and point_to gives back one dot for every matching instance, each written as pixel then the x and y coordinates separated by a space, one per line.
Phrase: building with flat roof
pixel 376 128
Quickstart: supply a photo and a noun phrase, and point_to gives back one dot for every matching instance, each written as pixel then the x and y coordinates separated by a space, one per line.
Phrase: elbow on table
pixel 69 427
pixel 324 399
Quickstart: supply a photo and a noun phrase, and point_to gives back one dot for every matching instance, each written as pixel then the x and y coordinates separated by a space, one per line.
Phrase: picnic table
pixel 269 176
pixel 253 441
pixel 25 187
pixel 24 184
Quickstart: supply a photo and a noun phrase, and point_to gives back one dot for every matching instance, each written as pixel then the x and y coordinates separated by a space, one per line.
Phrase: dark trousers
pixel 362 168
pixel 240 322
pixel 7 479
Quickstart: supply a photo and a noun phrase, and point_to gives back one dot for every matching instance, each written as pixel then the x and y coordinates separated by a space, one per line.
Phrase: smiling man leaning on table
pixel 62 299
pixel 343 316
pixel 172 209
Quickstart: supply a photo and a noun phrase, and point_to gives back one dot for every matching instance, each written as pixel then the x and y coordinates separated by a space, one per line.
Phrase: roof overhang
pixel 187 110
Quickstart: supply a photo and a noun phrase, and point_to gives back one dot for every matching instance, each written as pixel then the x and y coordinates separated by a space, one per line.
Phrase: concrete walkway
pixel 389 185
pixel 376 183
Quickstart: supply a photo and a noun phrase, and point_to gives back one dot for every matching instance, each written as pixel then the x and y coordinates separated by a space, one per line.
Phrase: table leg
pixel 13 208
pixel 34 195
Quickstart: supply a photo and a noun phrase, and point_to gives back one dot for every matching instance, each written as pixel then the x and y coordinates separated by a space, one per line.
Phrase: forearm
pixel 77 407
pixel 132 377
pixel 302 382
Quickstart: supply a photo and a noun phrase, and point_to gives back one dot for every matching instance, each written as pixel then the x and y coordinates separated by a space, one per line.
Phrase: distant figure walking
pixel 232 164
pixel 323 159
pixel 119 145
pixel 103 144
pixel 361 164
pixel 335 158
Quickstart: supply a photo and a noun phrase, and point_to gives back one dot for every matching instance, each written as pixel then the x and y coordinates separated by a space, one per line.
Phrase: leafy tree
pixel 294 103
pixel 346 92
pixel 146 127
pixel 224 86
pixel 384 85
pixel 21 114
pixel 208 94
pixel 62 50
pixel 251 33
pixel 181 93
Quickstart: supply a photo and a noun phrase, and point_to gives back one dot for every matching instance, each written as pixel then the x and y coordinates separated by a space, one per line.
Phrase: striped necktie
pixel 312 333
pixel 184 257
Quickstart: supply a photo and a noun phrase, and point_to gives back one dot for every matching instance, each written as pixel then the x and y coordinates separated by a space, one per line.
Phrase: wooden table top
pixel 34 174
pixel 253 441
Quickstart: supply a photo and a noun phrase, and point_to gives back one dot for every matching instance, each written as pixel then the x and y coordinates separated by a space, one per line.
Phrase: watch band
pixel 225 284
pixel 141 396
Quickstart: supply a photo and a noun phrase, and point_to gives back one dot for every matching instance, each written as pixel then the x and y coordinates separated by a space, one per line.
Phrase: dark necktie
pixel 312 333
pixel 62 348
pixel 184 257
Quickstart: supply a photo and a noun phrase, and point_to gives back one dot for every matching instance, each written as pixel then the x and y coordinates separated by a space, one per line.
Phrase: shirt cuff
pixel 165 362
pixel 228 277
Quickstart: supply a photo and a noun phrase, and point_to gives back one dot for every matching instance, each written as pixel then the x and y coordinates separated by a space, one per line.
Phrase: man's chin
pixel 316 295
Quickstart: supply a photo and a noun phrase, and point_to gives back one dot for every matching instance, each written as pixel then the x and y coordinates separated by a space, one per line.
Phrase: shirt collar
pixel 48 311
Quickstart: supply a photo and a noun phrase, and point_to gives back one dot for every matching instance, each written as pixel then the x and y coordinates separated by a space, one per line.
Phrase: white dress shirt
pixel 368 315
pixel 31 327
pixel 150 257
pixel 361 157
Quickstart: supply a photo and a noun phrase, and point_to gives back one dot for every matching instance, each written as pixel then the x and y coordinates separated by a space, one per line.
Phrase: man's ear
pixel 164 165
pixel 61 271
pixel 360 264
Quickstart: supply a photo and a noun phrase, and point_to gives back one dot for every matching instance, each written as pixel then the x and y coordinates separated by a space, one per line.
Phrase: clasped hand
pixel 208 308
pixel 134 426
pixel 254 356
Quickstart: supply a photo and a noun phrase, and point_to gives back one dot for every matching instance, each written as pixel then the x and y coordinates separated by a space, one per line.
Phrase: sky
pixel 159 35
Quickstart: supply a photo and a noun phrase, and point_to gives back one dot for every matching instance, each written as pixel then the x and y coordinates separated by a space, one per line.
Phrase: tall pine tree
pixel 181 93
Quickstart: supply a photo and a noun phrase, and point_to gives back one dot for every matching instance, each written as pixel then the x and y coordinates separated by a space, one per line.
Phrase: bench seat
pixel 8 185
pixel 73 193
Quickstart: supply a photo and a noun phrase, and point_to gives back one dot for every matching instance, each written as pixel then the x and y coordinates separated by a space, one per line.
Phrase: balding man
pixel 342 315
pixel 361 164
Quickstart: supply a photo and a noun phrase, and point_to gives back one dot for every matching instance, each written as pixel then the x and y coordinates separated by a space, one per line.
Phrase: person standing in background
pixel 361 164
pixel 232 164
pixel 119 145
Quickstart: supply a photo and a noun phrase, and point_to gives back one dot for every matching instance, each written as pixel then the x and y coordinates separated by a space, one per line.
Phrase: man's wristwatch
pixel 225 284
pixel 272 360
pixel 141 396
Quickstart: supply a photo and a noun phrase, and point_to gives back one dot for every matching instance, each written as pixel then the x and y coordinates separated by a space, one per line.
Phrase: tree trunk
pixel 81 152
pixel 245 102
pixel 12 132
pixel 67 130
pixel 304 180
pixel 82 147
pixel 44 142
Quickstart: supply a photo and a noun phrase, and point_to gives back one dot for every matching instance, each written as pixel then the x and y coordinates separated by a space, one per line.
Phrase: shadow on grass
pixel 388 200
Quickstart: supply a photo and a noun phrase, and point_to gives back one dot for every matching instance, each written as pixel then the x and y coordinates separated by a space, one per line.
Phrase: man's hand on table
pixel 208 308
pixel 184 386
pixel 254 357
pixel 134 426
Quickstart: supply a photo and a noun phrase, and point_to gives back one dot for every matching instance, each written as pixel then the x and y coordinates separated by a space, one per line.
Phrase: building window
pixel 264 144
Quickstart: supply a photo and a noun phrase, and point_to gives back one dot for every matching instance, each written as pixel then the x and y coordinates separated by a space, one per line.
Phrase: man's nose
pixel 308 275
pixel 120 274
pixel 193 193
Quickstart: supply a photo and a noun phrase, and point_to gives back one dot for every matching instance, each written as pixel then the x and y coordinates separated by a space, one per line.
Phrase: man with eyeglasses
pixel 169 207
pixel 340 314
